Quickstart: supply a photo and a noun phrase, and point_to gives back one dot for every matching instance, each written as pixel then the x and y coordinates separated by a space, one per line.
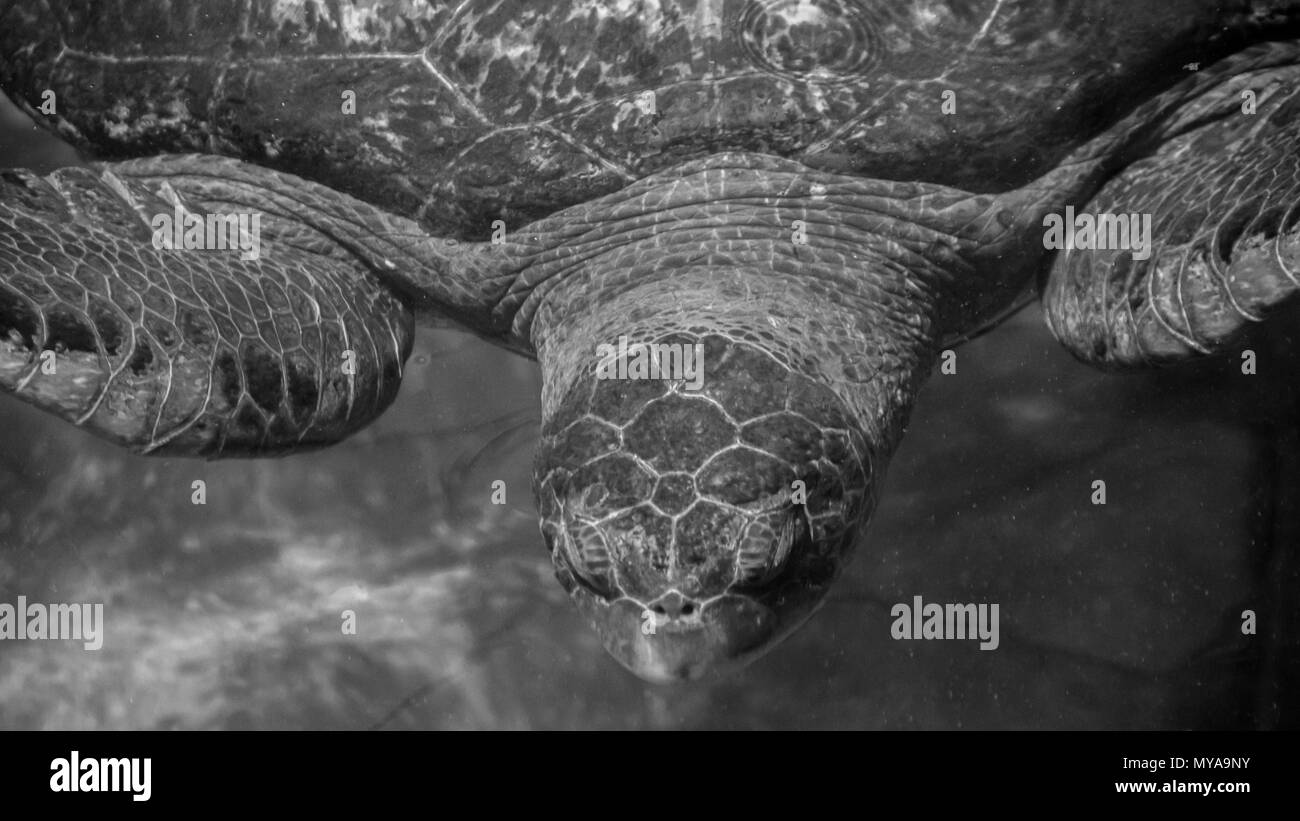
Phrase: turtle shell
pixel 463 113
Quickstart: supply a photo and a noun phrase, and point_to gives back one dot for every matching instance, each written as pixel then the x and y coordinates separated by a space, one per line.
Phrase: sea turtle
pixel 817 196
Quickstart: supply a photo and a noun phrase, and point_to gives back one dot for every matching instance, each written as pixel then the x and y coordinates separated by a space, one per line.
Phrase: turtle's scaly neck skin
pixel 658 499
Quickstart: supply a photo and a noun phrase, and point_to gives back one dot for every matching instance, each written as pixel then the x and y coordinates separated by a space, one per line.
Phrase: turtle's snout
pixel 688 640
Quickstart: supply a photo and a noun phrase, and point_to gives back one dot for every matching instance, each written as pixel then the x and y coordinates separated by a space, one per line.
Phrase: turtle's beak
pixel 716 638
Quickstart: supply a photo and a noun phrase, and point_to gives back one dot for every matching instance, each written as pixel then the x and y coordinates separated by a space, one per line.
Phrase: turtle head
pixel 698 496
pixel 729 354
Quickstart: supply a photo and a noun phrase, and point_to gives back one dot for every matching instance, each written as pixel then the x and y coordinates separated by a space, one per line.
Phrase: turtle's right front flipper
pixel 260 348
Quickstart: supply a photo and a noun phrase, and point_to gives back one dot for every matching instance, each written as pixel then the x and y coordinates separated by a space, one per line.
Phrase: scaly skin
pixel 1223 188
pixel 201 352
pixel 169 351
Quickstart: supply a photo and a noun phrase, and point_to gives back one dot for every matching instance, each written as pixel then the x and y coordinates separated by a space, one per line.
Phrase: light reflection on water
pixel 229 615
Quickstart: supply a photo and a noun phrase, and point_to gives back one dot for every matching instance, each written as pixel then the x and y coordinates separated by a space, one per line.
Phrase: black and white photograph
pixel 651 365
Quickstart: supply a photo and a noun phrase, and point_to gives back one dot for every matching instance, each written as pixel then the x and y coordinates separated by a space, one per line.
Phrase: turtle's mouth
pixel 681 631
pixel 722 635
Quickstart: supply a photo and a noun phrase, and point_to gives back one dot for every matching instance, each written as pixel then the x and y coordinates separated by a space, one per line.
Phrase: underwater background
pixel 228 615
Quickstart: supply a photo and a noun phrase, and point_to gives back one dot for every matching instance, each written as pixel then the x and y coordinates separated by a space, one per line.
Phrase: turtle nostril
pixel 674 605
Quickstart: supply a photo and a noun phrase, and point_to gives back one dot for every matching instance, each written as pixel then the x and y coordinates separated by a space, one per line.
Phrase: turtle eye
pixel 589 503
pixel 763 547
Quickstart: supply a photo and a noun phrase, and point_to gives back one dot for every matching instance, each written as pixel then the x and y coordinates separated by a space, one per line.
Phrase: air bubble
pixel 821 42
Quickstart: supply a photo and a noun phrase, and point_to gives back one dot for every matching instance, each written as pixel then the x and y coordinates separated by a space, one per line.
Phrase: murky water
pixel 228 615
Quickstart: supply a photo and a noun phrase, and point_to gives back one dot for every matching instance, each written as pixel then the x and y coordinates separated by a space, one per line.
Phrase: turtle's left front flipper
pixel 1211 212
pixel 198 306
